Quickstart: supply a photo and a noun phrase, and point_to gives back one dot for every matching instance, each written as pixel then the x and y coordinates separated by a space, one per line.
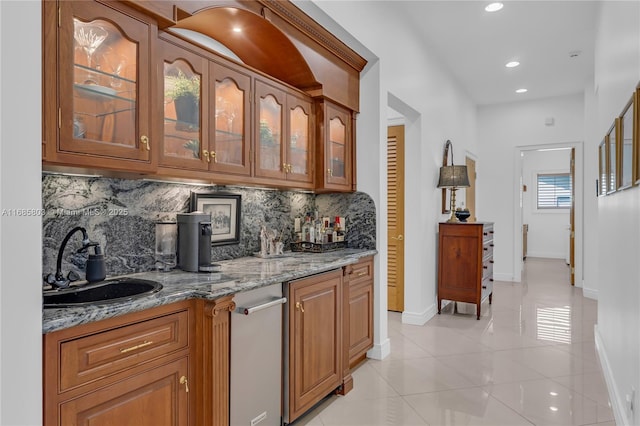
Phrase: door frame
pixel 518 263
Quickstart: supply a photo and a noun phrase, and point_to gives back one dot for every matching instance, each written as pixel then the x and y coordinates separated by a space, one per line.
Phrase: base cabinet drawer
pixel 98 355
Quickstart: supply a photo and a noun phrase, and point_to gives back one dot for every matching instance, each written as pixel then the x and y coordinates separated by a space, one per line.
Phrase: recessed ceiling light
pixel 237 29
pixel 521 91
pixel 494 7
pixel 512 64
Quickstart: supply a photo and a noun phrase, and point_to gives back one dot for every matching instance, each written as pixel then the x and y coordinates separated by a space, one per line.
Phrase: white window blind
pixel 554 191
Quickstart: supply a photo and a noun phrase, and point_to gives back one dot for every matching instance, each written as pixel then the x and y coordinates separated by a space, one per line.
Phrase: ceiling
pixel 475 45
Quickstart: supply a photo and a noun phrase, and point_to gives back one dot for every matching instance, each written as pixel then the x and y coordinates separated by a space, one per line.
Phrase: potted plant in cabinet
pixel 185 93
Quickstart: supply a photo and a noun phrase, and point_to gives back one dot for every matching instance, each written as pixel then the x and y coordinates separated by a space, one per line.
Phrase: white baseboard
pixel 503 277
pixel 590 293
pixel 617 402
pixel 419 318
pixel 546 255
pixel 380 351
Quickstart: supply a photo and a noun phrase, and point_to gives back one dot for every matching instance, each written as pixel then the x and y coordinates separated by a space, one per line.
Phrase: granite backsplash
pixel 120 214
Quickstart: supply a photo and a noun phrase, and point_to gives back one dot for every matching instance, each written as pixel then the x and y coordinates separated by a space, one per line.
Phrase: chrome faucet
pixel 97 261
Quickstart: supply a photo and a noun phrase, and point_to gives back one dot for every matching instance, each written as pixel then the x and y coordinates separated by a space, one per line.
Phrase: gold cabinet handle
pixel 185 382
pixel 145 140
pixel 399 238
pixel 330 172
pixel 362 274
pixel 206 155
pixel 289 167
pixel 300 307
pixel 214 157
pixel 284 168
pixel 133 348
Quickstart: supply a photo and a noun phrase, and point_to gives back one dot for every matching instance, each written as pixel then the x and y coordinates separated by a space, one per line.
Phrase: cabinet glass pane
pixel 270 133
pixel 105 89
pixel 181 110
pixel 337 140
pixel 299 143
pixel 229 122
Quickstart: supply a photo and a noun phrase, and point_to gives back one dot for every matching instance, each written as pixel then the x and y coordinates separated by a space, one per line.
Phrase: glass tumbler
pixel 166 243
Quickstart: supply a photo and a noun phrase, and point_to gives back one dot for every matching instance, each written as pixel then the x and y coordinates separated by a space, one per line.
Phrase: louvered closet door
pixel 395 218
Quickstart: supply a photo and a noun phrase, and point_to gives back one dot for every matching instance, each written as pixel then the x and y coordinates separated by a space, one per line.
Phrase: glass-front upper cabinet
pixel 103 73
pixel 230 142
pixel 300 145
pixel 338 139
pixel 184 78
pixel 270 155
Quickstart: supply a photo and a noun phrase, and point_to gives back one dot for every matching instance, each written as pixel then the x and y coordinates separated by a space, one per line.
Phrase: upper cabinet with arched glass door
pixel 184 79
pixel 335 149
pixel 104 83
pixel 230 141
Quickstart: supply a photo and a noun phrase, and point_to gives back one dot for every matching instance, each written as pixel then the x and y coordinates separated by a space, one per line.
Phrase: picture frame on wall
pixel 612 159
pixel 626 149
pixel 225 210
pixel 603 172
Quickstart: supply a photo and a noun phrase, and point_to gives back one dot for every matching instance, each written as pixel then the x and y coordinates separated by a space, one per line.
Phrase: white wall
pixel 548 235
pixel 503 131
pixel 617 72
pixel 435 109
pixel 20 236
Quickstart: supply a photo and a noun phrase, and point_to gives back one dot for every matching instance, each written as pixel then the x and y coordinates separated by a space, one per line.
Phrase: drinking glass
pixel 166 243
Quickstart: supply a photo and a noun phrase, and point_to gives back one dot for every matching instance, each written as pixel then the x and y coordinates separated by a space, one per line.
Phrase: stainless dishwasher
pixel 256 357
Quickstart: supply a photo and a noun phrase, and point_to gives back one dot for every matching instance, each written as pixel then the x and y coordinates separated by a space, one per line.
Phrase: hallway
pixel 530 359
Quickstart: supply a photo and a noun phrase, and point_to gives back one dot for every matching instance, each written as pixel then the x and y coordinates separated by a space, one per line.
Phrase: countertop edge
pixel 231 283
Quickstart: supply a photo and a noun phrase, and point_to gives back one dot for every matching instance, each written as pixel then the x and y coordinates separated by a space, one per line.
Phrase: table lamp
pixel 452 177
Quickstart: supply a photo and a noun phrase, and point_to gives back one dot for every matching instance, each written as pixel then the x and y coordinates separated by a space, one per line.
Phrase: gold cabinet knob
pixel 330 172
pixel 213 156
pixel 284 167
pixel 300 307
pixel 206 155
pixel 145 140
pixel 399 238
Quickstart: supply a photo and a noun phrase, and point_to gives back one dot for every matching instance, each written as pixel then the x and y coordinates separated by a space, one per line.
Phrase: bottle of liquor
pixel 306 229
pixel 339 230
pixel 317 225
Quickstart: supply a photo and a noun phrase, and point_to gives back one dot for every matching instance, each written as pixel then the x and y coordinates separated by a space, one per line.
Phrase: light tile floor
pixel 529 360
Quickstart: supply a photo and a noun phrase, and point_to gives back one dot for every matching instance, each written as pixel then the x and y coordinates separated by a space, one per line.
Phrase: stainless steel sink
pixel 108 291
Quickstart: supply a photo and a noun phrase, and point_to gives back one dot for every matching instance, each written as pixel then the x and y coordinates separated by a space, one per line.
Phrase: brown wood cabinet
pixel 335 148
pixel 358 318
pixel 97 85
pixel 113 371
pixel 465 263
pixel 114 81
pixel 315 341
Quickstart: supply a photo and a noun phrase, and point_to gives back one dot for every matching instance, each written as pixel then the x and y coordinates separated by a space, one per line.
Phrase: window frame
pixel 550 209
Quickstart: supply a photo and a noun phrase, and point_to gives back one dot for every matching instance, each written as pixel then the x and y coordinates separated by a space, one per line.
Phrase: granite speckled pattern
pixel 235 276
pixel 120 214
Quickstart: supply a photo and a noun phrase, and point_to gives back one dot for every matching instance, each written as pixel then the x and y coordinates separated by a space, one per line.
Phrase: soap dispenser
pixel 96 268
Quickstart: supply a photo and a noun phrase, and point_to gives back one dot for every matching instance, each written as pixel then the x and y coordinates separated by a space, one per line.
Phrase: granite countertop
pixel 236 275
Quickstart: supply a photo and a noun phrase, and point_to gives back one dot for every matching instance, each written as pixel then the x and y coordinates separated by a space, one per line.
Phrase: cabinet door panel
pixel 104 82
pixel 315 345
pixel 230 140
pixel 270 111
pixel 184 77
pixel 153 398
pixel 300 140
pixel 360 320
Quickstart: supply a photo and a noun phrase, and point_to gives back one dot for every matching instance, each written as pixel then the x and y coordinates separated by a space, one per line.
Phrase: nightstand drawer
pixel 487 269
pixel 96 356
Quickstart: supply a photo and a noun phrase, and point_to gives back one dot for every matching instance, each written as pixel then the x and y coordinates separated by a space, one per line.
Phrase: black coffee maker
pixel 194 241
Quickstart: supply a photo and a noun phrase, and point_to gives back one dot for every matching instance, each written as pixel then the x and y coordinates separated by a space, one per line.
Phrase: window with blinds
pixel 554 191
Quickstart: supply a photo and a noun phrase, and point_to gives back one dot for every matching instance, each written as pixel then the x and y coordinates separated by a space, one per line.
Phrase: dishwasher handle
pixel 253 309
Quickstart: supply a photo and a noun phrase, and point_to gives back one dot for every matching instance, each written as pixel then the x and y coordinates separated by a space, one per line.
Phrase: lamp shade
pixel 453 177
